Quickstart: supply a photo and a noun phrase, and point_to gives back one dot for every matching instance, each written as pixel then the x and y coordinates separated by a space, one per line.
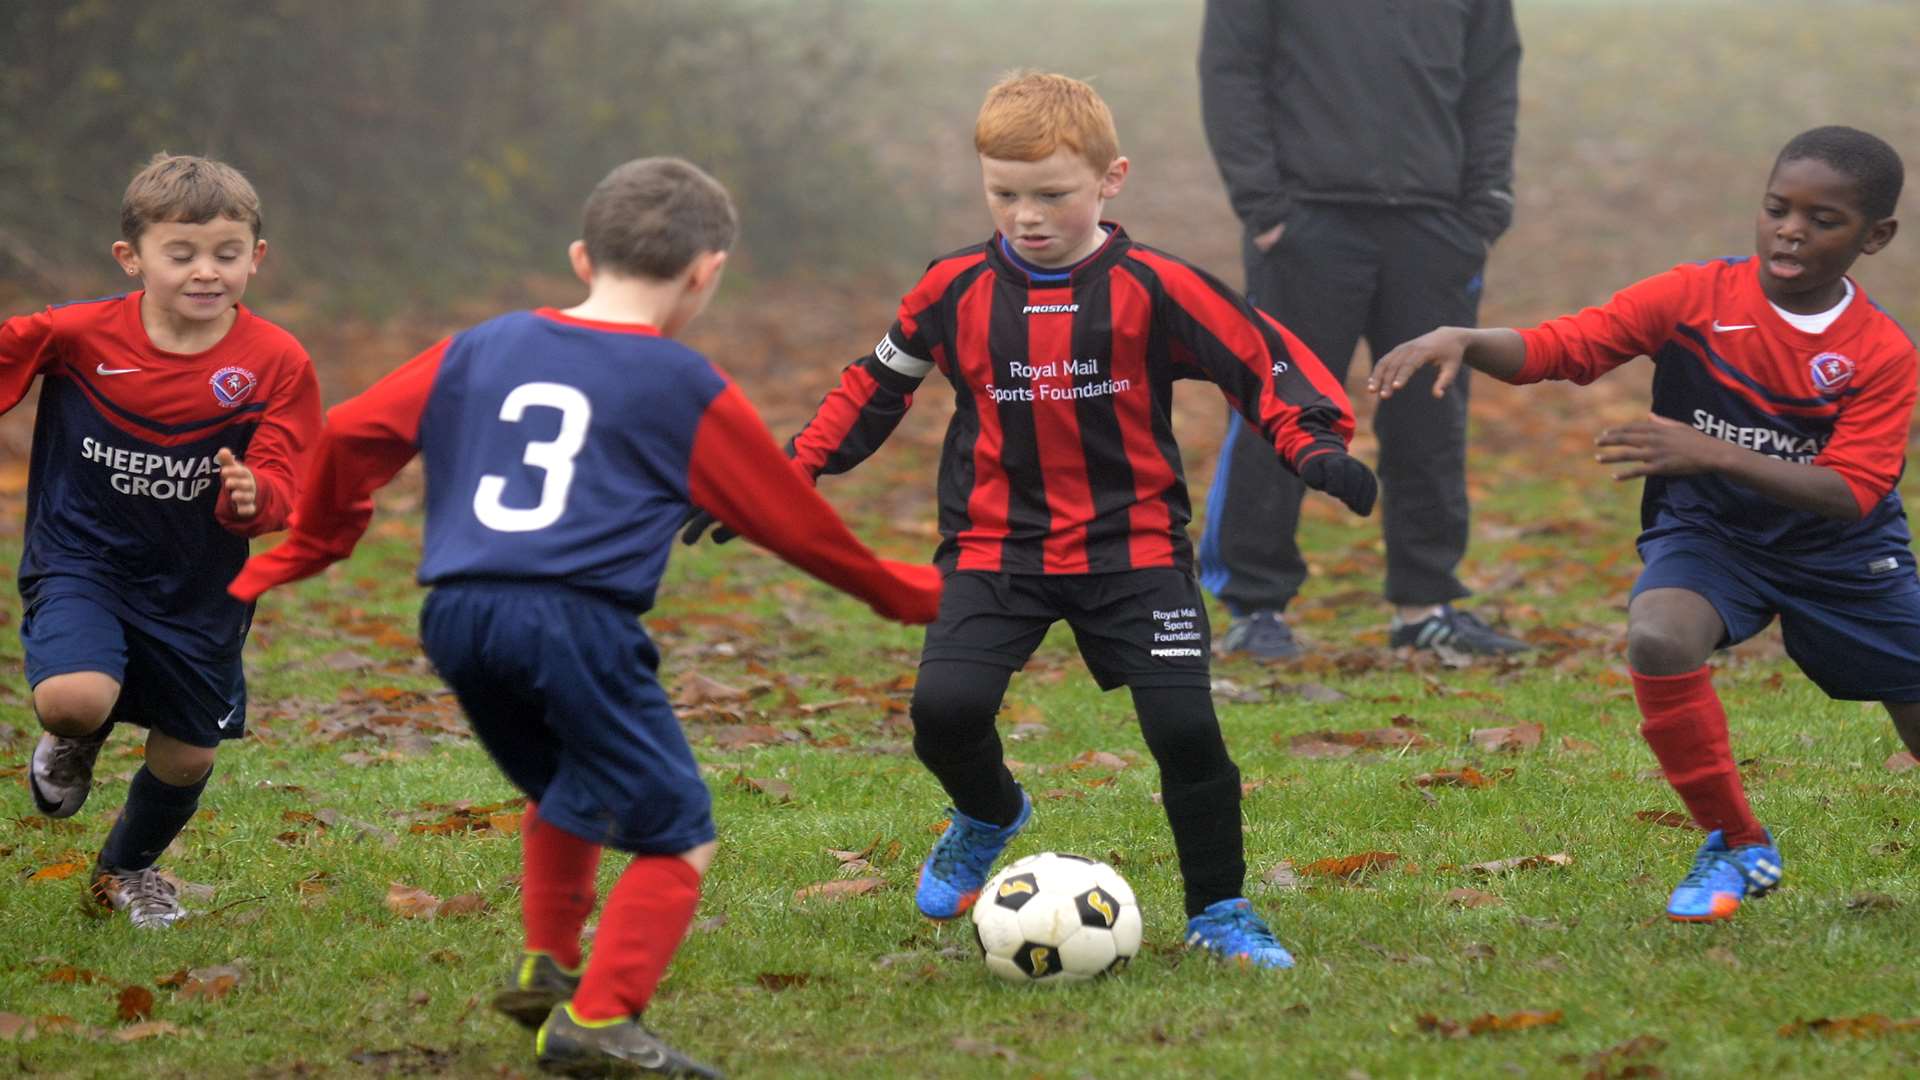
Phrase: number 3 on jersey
pixel 553 457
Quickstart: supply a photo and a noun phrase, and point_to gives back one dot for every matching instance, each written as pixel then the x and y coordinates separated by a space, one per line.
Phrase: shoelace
pixel 148 893
pixel 1704 865
pixel 1248 931
pixel 69 758
pixel 961 849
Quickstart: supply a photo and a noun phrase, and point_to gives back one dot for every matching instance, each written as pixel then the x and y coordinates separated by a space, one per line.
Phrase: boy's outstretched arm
pixel 740 475
pixel 1497 351
pixel 874 393
pixel 367 439
pixel 1658 446
pixel 27 347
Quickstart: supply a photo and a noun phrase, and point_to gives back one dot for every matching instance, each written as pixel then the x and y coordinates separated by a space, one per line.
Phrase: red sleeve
pixel 740 476
pixel 1580 348
pixel 366 441
pixel 1267 374
pixel 28 344
pixel 1868 447
pixel 277 451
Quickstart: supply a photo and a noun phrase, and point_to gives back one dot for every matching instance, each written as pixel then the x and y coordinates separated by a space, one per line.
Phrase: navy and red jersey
pixel 1727 364
pixel 124 500
pixel 1060 458
pixel 569 451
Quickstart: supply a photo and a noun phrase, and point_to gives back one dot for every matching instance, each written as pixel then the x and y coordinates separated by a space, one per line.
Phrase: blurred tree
pixel 421 148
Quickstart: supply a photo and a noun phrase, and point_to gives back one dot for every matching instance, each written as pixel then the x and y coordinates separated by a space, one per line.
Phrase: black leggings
pixel 954 705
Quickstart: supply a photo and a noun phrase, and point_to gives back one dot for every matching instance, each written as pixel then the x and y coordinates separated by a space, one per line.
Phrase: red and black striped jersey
pixel 1060 458
pixel 123 493
pixel 1727 364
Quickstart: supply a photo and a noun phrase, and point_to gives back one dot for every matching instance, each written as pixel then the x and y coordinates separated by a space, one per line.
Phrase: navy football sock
pixel 155 813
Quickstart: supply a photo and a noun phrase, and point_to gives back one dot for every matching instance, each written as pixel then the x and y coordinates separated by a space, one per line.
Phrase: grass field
pixel 359 790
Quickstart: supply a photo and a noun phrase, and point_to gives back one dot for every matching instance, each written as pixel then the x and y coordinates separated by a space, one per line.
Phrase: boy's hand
pixel 1444 348
pixel 699 521
pixel 1660 447
pixel 237 481
pixel 1344 477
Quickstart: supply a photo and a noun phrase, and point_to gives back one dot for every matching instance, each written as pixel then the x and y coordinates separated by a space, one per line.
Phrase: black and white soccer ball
pixel 1050 919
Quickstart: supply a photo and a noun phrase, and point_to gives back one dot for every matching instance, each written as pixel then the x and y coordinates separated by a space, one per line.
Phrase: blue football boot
pixel 1722 877
pixel 1232 930
pixel 957 867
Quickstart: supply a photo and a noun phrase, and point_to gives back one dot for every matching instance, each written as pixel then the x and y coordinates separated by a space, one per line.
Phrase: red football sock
pixel 556 888
pixel 1684 724
pixel 647 917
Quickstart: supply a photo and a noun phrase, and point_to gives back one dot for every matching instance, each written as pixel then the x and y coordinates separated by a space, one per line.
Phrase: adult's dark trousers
pixel 1340 274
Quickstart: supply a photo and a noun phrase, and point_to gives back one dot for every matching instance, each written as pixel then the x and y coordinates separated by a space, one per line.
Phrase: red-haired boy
pixel 1060 490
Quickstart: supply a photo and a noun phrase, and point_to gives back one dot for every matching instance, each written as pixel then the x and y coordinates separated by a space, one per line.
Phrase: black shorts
pixel 1134 627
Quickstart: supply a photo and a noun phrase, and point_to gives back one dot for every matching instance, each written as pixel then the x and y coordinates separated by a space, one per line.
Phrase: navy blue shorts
pixel 559 687
pixel 197 701
pixel 1133 627
pixel 1858 641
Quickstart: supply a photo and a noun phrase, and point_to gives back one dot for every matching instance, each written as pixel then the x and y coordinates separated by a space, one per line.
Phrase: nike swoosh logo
pixel 1721 328
pixel 227 719
pixel 103 369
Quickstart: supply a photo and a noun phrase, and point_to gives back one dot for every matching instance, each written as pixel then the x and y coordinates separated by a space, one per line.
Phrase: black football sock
pixel 1206 835
pixel 954 703
pixel 155 813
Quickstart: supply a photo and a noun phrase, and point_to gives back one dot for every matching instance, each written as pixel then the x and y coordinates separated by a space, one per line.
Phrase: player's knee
pixel 177 763
pixel 1655 648
pixel 75 704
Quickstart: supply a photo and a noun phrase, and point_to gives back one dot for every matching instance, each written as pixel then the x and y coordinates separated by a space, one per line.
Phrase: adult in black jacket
pixel 1367 146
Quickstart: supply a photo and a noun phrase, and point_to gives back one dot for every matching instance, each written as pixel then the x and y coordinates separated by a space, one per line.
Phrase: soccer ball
pixel 1050 919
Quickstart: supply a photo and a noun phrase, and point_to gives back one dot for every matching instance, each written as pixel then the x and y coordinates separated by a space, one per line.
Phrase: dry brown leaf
pixel 411 903
pixel 1521 862
pixel 1467 777
pixel 16 1028
pixel 135 1003
pixel 1672 819
pixel 837 890
pixel 1282 876
pixel 777 790
pixel 1870 1025
pixel 1507 739
pixel 465 904
pixel 1519 1021
pixel 782 980
pixel 59 871
pixel 1901 762
pixel 697 689
pixel 1350 867
pixel 67 973
pixel 209 984
pixel 1098 759
pixel 1471 898
pixel 148 1030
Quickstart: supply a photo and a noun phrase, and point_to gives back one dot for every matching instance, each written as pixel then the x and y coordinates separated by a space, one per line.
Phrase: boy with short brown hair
pixel 562 451
pixel 139 507
pixel 1060 490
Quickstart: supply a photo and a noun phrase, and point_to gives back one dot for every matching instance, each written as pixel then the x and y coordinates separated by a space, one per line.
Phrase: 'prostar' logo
pixel 1049 309
pixel 1831 371
pixel 232 385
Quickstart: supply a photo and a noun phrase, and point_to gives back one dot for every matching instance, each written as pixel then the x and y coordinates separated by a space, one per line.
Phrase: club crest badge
pixel 1831 371
pixel 232 385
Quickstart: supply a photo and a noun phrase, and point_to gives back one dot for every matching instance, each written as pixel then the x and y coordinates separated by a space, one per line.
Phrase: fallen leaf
pixel 411 903
pixel 1523 862
pixel 1871 901
pixel 782 980
pixel 465 904
pixel 1098 759
pixel 1600 1063
pixel 67 973
pixel 1901 762
pixel 1672 819
pixel 1519 1021
pixel 58 871
pixel 837 890
pixel 16 1028
pixel 1507 739
pixel 777 790
pixel 1350 867
pixel 135 1003
pixel 148 1030
pixel 1282 876
pixel 208 985
pixel 1468 777
pixel 697 689
pixel 1871 1025
pixel 1577 746
pixel 1471 898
